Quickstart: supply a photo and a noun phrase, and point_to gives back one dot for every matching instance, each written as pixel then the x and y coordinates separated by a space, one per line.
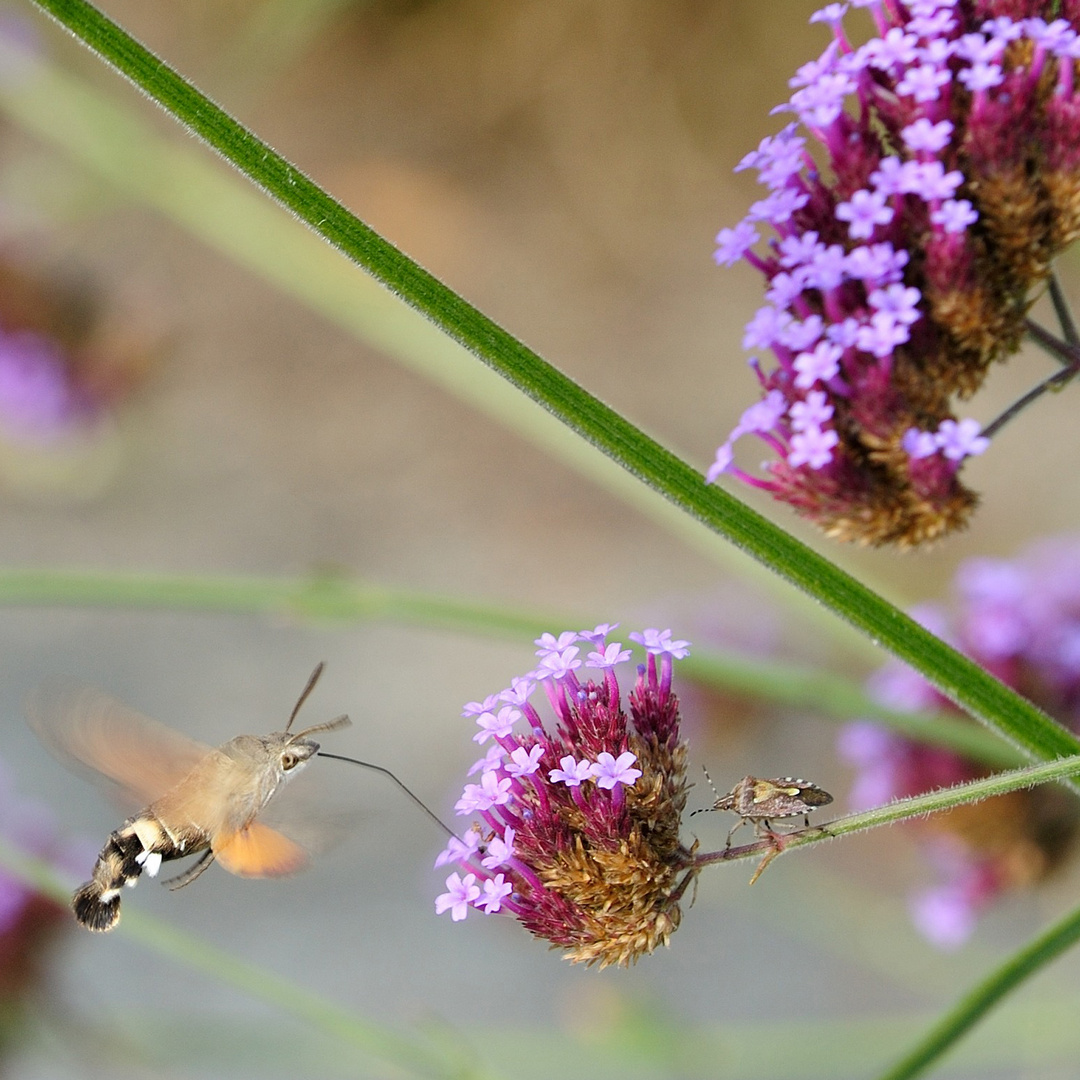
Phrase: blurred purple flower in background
pixel 29 922
pixel 67 366
pixel 39 402
pixel 1021 620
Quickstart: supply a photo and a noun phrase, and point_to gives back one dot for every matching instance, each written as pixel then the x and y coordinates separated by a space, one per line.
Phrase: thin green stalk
pixel 1047 947
pixel 405 1052
pixel 832 696
pixel 956 676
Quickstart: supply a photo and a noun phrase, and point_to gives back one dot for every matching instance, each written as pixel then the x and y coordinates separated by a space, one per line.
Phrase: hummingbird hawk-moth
pixel 197 800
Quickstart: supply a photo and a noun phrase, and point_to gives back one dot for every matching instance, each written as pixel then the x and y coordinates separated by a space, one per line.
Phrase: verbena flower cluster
pixel 1021 620
pixel 903 260
pixel 578 830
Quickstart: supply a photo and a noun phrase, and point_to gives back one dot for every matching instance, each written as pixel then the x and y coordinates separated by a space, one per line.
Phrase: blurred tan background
pixel 563 165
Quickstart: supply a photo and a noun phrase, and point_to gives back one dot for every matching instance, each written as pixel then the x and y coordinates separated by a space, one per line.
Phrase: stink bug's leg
pixel 806 821
pixel 191 873
pixel 738 825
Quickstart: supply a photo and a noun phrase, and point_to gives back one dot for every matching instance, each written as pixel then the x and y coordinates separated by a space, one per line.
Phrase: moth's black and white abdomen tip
pixel 96 909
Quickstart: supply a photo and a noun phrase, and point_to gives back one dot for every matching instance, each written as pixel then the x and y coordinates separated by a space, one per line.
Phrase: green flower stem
pixel 902 809
pixel 957 677
pixel 337 598
pixel 1047 947
pixel 408 1053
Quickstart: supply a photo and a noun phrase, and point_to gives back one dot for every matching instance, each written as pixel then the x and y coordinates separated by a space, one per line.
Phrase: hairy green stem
pixel 956 676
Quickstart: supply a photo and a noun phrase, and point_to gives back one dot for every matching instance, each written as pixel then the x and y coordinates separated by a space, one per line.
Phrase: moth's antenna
pixel 386 772
pixel 307 691
pixel 330 725
pixel 706 809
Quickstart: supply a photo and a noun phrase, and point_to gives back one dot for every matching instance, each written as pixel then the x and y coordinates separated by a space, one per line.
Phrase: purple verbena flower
pixel 491 760
pixel 493 724
pixel 459 849
pixel 524 762
pixel 609 770
pixel 570 772
pixel 460 893
pixel 496 890
pixel 578 830
pixel 906 251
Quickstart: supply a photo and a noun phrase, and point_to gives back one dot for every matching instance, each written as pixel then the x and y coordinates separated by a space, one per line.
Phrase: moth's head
pixel 296 753
pixel 296 750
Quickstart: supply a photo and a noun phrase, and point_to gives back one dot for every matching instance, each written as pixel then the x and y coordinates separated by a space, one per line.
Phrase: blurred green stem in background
pixel 645 1044
pixel 975 1005
pixel 109 137
pixel 330 597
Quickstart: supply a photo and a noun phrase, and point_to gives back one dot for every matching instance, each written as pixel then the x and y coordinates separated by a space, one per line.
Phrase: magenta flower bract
pixel 945 179
pixel 578 831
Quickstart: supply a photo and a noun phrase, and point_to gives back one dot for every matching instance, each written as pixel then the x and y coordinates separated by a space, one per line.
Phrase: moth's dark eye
pixel 289 761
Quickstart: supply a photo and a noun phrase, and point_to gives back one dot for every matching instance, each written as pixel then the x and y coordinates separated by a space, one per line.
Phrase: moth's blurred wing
pixel 216 797
pixel 86 729
pixel 316 809
pixel 258 851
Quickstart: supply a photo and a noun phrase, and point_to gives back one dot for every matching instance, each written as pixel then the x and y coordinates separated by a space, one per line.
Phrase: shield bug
pixel 761 801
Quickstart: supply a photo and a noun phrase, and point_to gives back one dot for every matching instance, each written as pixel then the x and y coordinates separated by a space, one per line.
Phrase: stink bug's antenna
pixel 307 691
pixel 386 772
pixel 706 809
